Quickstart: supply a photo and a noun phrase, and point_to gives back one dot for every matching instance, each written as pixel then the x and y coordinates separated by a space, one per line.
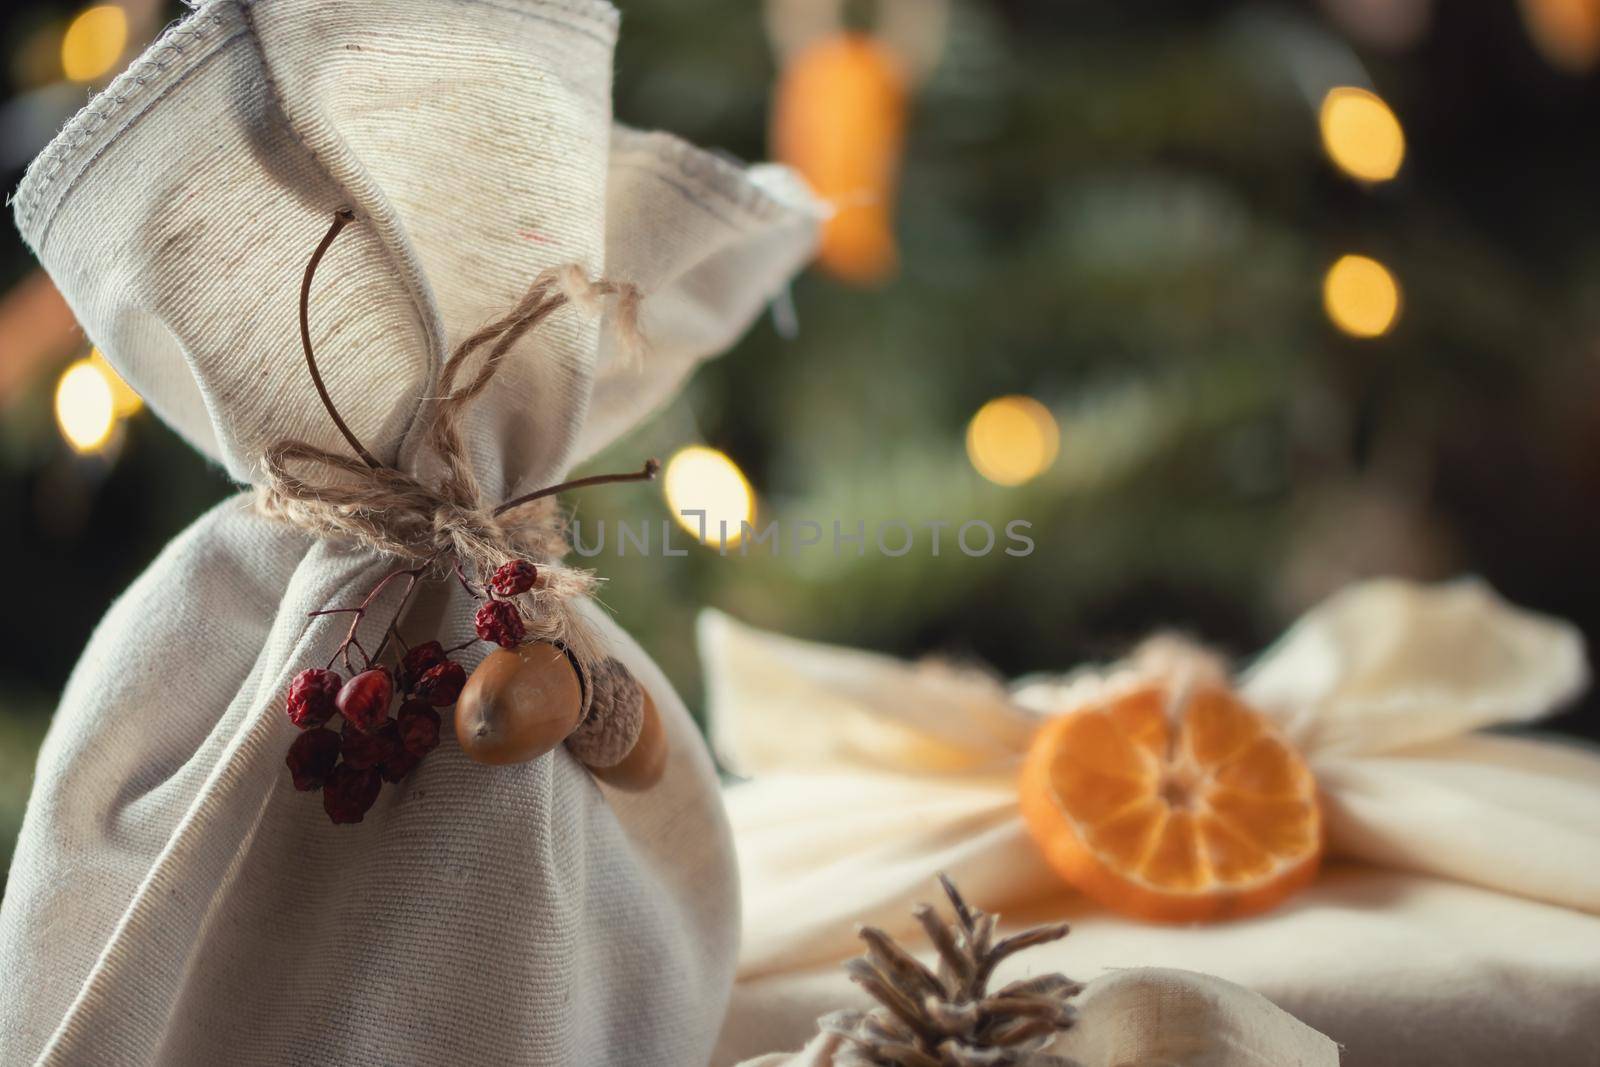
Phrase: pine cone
pixel 948 1018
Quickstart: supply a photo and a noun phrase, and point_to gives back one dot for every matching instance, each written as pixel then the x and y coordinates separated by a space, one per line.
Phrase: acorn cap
pixel 613 715
pixel 647 762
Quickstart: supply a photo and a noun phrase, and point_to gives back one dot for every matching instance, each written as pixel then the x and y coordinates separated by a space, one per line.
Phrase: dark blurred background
pixel 1128 224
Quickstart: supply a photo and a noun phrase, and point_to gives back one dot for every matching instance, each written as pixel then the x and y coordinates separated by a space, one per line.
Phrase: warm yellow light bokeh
pixel 94 42
pixel 703 479
pixel 124 400
pixel 1012 439
pixel 1361 134
pixel 1361 296
pixel 85 406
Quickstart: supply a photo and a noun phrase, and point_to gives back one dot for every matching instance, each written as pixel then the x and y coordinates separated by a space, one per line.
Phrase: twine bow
pixel 398 514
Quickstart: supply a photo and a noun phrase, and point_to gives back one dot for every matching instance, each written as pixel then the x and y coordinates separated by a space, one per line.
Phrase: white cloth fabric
pixel 1453 926
pixel 1138 1017
pixel 173 900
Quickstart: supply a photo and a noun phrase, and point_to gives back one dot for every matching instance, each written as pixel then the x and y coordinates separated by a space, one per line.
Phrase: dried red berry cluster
pixel 371 746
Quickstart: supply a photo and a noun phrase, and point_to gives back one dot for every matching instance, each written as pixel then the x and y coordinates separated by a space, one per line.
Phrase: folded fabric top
pixel 177 212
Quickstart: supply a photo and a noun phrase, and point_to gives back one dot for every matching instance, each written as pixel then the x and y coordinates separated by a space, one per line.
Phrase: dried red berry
pixel 500 622
pixel 311 697
pixel 364 700
pixel 514 577
pixel 442 684
pixel 399 765
pixel 350 792
pixel 362 749
pixel 417 661
pixel 419 727
pixel 311 757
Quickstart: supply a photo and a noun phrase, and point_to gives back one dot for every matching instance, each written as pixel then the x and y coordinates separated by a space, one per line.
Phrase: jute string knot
pixel 446 522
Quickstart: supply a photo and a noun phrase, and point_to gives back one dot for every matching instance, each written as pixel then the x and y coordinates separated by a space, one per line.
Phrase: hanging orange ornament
pixel 1566 32
pixel 839 118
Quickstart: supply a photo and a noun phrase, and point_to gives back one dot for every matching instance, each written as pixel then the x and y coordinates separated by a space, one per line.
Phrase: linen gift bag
pixel 1457 916
pixel 173 900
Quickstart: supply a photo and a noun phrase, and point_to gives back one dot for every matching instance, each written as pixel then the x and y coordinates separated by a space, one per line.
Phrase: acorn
pixel 641 768
pixel 519 704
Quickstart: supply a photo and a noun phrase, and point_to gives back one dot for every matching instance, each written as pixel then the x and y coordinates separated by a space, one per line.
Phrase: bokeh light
pixel 94 42
pixel 85 406
pixel 702 479
pixel 125 401
pixel 1361 134
pixel 1012 439
pixel 1567 32
pixel 1361 296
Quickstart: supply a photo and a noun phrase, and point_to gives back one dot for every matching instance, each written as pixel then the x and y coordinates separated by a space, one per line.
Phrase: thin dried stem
pixel 341 218
pixel 412 575
pixel 651 468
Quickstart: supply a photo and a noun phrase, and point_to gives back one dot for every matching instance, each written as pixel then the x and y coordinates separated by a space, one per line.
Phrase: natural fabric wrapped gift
pixel 1456 922
pixel 172 899
pixel 1141 1017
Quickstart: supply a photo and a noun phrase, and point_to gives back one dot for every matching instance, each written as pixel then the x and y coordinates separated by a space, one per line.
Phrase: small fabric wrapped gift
pixel 173 900
pixel 1139 1017
pixel 1456 918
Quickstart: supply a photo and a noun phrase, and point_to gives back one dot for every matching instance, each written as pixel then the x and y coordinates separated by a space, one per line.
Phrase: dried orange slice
pixel 1173 813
